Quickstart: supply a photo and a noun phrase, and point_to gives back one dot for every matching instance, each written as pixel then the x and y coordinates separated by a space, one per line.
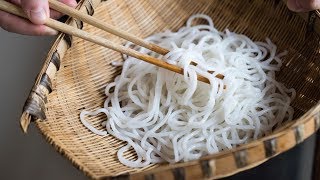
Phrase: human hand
pixel 303 5
pixel 37 11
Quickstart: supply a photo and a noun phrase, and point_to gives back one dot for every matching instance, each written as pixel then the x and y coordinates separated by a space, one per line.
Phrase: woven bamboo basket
pixel 75 73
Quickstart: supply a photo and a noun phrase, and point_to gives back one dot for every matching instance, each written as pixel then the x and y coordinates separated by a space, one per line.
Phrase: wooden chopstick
pixel 13 9
pixel 58 6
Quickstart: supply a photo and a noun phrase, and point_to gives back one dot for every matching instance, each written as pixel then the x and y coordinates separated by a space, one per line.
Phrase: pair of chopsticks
pixel 56 5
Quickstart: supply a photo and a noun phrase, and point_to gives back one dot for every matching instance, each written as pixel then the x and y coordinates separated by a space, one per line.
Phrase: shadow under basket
pixel 75 73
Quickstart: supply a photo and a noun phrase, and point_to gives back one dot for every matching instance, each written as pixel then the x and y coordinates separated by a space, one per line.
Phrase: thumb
pixel 36 10
pixel 303 5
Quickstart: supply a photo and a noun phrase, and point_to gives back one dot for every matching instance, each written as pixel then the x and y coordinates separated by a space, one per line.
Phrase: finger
pixel 36 10
pixel 303 5
pixel 16 24
pixel 53 14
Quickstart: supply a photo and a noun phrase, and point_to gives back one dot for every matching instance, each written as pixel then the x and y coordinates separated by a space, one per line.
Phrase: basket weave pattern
pixel 75 74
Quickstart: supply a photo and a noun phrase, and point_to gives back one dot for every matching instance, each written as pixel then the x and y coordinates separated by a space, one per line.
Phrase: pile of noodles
pixel 171 117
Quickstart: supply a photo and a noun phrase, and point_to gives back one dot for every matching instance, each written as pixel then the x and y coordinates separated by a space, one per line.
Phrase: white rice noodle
pixel 164 116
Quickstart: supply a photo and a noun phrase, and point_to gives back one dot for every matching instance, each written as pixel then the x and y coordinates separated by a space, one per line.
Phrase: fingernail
pixel 38 15
pixel 51 32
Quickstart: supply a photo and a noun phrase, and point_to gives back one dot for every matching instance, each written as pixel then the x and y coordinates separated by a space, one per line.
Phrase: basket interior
pixel 85 68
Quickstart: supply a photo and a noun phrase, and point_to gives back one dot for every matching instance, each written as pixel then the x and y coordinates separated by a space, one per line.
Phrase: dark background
pixel 29 156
